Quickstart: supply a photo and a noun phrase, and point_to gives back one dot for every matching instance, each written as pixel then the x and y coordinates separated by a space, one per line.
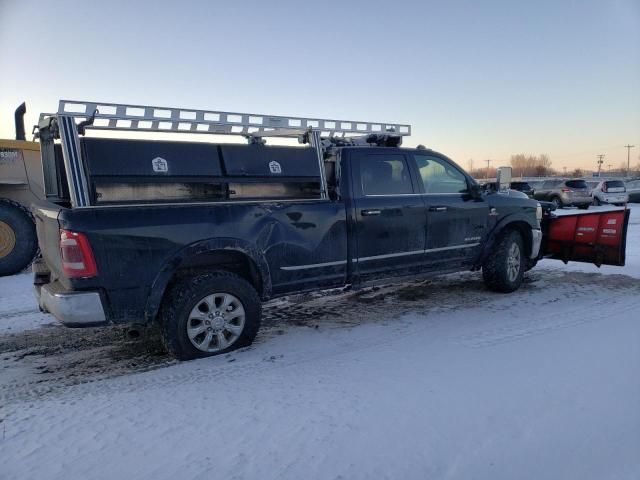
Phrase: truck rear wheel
pixel 504 269
pixel 18 241
pixel 210 314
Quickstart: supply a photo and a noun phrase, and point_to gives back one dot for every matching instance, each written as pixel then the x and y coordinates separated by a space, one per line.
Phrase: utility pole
pixel 471 165
pixel 609 168
pixel 628 147
pixel 488 163
pixel 565 171
pixel 600 162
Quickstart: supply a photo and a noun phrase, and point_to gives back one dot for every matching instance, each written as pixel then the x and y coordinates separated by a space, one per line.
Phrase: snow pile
pixel 18 308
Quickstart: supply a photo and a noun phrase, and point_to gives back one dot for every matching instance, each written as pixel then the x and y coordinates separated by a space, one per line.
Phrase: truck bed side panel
pixel 132 245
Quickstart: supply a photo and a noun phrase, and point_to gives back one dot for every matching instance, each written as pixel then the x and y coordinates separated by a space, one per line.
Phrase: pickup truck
pixel 193 236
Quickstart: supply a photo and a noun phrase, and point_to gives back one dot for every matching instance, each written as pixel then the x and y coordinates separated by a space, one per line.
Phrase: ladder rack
pixel 117 116
pixel 73 117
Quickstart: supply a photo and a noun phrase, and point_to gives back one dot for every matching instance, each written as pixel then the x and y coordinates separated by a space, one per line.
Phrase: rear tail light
pixel 565 189
pixel 604 188
pixel 76 254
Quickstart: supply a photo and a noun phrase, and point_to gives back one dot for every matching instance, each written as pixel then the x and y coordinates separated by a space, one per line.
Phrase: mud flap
pixel 595 237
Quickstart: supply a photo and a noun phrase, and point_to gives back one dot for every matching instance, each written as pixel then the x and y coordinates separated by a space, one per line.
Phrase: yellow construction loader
pixel 21 183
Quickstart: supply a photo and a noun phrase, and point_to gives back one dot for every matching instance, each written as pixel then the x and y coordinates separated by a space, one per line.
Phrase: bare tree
pixel 530 165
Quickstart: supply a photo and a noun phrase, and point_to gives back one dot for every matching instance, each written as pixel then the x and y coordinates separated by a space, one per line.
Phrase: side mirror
pixel 503 178
pixel 475 190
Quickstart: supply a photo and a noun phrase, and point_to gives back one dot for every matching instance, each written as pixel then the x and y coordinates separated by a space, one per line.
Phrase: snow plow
pixel 595 237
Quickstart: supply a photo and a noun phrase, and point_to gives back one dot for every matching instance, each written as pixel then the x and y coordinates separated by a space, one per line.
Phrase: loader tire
pixel 18 241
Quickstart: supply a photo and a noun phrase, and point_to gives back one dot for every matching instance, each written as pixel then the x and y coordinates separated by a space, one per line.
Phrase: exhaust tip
pixel 19 120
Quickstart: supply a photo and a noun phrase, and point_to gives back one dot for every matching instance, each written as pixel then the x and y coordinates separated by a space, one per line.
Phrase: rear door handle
pixel 437 209
pixel 370 213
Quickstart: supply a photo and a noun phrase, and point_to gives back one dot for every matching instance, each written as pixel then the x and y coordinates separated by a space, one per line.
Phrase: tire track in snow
pixel 57 359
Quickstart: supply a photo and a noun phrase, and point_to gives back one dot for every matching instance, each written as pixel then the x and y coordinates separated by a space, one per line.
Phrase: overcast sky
pixel 475 79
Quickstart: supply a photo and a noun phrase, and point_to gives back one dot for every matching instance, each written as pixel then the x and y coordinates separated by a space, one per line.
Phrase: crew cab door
pixel 456 222
pixel 389 213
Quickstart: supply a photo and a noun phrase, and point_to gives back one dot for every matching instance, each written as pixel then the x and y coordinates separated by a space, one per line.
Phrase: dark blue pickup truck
pixel 193 236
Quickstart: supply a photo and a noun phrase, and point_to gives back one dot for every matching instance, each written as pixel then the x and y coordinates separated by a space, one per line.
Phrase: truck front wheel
pixel 210 314
pixel 504 269
pixel 18 242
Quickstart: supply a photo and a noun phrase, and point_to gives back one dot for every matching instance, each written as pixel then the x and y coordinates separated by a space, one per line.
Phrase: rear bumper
pixel 575 202
pixel 615 198
pixel 572 200
pixel 73 309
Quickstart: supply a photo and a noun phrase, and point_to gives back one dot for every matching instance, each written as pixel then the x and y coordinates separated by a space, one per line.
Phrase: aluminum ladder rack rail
pixel 117 116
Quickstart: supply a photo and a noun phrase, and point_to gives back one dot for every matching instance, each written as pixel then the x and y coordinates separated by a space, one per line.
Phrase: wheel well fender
pixel 519 223
pixel 237 256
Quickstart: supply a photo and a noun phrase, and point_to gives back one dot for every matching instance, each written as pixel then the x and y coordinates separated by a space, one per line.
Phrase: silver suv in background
pixel 565 193
pixel 610 191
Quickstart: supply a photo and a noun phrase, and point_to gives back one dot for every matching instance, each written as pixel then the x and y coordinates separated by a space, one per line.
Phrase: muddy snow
pixel 432 379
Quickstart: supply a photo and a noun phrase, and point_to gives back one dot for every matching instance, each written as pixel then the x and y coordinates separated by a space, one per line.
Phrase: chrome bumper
pixel 536 241
pixel 73 309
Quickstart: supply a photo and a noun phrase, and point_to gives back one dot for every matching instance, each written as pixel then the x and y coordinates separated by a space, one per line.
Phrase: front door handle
pixel 437 209
pixel 370 213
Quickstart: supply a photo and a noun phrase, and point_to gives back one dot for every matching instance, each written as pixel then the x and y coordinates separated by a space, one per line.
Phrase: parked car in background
pixel 523 187
pixel 610 191
pixel 592 184
pixel 633 190
pixel 565 193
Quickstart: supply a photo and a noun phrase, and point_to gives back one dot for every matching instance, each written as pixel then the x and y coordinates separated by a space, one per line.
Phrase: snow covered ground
pixel 424 380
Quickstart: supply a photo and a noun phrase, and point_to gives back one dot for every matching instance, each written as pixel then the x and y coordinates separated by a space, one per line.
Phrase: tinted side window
pixel 576 184
pixel 439 176
pixel 385 175
pixel 615 184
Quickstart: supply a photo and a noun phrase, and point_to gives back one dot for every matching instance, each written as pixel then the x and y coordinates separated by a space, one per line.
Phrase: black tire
pixel 18 240
pixel 583 207
pixel 496 273
pixel 185 296
pixel 557 201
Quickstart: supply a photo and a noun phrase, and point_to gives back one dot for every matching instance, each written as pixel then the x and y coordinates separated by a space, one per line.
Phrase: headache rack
pixel 73 118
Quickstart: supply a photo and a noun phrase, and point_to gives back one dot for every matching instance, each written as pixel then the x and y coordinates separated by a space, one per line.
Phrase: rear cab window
pixel 614 184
